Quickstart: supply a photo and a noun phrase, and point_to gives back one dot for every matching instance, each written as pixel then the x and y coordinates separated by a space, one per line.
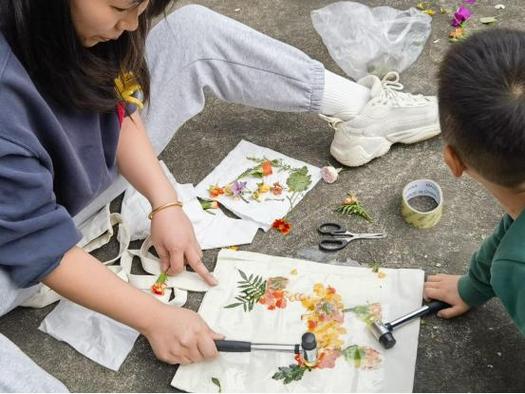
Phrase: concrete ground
pixel 481 351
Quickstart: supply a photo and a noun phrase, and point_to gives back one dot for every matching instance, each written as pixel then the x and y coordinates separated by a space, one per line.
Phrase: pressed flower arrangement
pixel 297 183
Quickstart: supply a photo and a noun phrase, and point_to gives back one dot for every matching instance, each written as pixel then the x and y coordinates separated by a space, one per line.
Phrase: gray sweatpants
pixel 194 48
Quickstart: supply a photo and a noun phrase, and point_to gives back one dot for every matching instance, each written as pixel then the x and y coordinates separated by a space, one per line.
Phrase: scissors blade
pixel 369 235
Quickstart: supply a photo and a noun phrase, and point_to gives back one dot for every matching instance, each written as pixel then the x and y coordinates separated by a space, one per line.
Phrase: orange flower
pixel 282 226
pixel 158 288
pixel 457 34
pixel 266 168
pixel 281 303
pixel 351 199
pixel 276 189
pixel 160 284
pixel 215 191
pixel 327 358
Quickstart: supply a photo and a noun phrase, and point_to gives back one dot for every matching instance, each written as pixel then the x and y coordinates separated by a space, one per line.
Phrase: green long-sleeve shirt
pixel 498 269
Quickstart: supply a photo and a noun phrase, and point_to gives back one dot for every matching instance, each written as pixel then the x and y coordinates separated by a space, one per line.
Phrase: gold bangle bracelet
pixel 171 204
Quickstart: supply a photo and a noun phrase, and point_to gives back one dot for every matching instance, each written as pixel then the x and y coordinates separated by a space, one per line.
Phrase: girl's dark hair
pixel 482 104
pixel 42 36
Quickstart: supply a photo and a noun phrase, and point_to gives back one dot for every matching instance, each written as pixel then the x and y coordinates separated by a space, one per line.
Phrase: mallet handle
pixel 233 346
pixel 243 346
pixel 427 309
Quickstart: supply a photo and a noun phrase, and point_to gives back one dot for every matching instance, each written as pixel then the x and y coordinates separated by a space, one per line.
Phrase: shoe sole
pixel 352 151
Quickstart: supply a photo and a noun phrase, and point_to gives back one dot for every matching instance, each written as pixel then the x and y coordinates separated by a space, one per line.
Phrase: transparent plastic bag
pixel 364 40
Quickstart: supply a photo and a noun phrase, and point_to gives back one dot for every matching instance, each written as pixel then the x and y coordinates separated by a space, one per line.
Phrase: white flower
pixel 499 6
pixel 330 174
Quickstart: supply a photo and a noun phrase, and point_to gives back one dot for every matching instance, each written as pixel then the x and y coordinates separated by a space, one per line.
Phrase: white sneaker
pixel 390 116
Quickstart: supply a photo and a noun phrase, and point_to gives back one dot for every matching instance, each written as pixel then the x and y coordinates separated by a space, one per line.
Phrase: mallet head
pixel 383 334
pixel 309 348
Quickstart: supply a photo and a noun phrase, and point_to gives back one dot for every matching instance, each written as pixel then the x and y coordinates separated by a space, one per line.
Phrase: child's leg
pixel 196 48
pixel 19 372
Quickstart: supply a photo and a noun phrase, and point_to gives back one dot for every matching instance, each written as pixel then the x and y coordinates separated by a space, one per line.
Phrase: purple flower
pixel 238 188
pixel 460 16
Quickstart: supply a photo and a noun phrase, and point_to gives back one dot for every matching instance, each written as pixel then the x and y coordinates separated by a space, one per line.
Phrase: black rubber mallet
pixel 307 348
pixel 383 331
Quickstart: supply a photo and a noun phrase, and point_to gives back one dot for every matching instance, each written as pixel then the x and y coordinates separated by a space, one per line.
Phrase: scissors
pixel 340 237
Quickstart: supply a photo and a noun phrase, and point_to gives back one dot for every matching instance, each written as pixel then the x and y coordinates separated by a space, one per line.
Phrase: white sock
pixel 342 98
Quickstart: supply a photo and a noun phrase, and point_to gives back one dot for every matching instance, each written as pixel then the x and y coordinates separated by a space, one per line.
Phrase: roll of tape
pixel 415 217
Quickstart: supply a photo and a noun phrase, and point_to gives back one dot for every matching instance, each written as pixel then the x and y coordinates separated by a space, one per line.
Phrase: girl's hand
pixel 444 288
pixel 174 240
pixel 180 336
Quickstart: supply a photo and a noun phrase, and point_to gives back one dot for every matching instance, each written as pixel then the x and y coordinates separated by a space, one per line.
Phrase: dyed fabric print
pixel 324 317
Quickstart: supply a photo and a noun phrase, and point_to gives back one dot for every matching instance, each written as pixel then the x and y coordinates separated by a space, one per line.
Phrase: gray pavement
pixel 481 351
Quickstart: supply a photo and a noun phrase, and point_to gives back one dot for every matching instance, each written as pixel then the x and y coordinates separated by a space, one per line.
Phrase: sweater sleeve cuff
pixel 469 293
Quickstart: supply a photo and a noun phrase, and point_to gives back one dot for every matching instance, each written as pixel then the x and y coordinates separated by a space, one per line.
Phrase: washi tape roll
pixel 417 217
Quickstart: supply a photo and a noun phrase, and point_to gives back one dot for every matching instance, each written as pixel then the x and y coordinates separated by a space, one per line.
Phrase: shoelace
pixel 332 122
pixel 391 92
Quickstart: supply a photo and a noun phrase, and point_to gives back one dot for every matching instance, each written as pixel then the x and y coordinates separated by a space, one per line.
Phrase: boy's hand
pixel 174 240
pixel 180 336
pixel 444 288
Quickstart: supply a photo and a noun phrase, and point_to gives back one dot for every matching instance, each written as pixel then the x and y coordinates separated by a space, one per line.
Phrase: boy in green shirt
pixel 482 113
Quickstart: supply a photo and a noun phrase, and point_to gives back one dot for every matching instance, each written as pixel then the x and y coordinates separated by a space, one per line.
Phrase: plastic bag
pixel 364 40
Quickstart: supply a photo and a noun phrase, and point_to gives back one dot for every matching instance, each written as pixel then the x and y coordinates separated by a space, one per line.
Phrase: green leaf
pixel 299 180
pixel 217 383
pixel 354 209
pixel 374 265
pixel 289 374
pixel 236 304
pixel 257 173
pixel 355 354
pixel 245 173
pixel 251 290
pixel 243 275
pixel 363 313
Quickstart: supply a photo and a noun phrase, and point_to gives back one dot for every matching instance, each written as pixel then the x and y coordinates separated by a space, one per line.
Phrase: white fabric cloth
pixel 236 162
pixel 399 292
pixel 94 335
pixel 212 230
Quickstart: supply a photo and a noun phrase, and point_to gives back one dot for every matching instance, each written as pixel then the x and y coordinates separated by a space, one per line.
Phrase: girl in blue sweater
pixel 69 138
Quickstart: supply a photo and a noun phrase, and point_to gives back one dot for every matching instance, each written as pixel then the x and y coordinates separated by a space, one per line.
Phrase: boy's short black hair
pixel 42 36
pixel 482 104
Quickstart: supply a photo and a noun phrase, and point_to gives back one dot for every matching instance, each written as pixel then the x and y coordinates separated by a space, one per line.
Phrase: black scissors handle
pixel 333 244
pixel 331 229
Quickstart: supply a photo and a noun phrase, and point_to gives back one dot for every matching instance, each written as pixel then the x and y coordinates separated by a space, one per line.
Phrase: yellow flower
pixel 263 188
pixel 126 86
pixel 228 190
